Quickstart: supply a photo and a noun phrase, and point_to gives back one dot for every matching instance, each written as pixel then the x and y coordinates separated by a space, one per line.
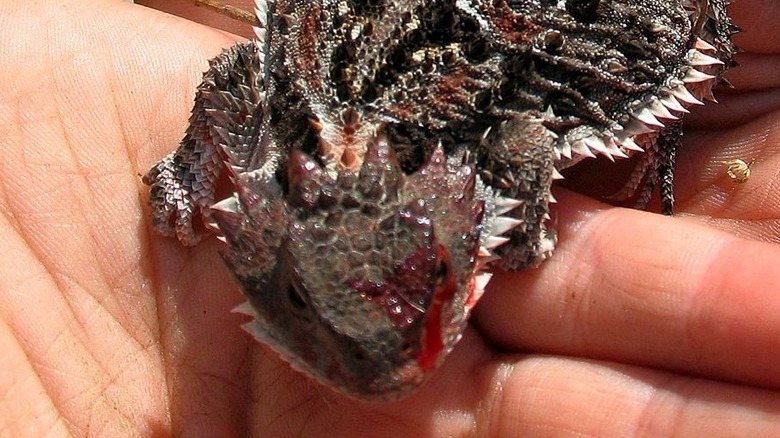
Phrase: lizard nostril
pixel 408 349
pixel 442 273
pixel 295 297
pixel 359 356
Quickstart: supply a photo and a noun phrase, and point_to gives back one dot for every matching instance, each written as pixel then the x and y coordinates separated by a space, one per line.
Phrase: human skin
pixel 639 325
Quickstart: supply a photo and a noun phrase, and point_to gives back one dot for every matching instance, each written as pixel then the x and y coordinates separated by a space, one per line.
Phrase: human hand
pixel 638 324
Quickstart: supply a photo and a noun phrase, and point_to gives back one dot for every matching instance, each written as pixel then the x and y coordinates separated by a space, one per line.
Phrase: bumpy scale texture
pixel 385 155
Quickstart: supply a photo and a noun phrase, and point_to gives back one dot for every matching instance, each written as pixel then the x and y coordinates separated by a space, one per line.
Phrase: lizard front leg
pixel 518 159
pixel 223 130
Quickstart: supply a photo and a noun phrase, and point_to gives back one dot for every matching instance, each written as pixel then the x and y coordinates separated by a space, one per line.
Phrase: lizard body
pixel 385 156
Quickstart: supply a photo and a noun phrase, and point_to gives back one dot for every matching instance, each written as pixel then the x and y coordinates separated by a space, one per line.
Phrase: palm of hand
pixel 635 323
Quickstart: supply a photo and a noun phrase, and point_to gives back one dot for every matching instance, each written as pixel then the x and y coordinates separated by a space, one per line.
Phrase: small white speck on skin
pixel 455 423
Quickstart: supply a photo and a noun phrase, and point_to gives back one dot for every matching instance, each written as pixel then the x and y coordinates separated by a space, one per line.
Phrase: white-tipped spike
pixel 615 151
pixel 612 150
pixel 484 252
pixel 637 127
pixel 629 144
pixel 486 132
pixel 565 149
pixel 548 112
pixel 259 33
pixel 228 205
pixel 698 59
pixel 481 280
pixel 220 237
pixel 671 102
pixel 646 116
pixel 704 45
pixel 505 204
pixel 261 10
pixel 257 331
pixel 580 148
pixel 693 76
pixel 556 175
pixel 597 144
pixel 660 110
pixel 484 261
pixel 551 199
pixel 706 93
pixel 682 94
pixel 245 309
pixel 494 242
pixel 502 224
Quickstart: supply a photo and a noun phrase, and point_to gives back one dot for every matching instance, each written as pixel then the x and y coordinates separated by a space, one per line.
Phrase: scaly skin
pixel 384 156
pixel 359 267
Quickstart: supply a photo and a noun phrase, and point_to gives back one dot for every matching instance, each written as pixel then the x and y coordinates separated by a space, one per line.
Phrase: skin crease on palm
pixel 639 325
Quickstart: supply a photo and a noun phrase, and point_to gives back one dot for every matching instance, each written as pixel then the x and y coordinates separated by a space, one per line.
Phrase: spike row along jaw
pixel 647 117
pixel 652 121
pixel 408 289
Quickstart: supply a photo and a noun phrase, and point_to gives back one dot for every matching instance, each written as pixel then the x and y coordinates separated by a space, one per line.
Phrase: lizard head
pixel 363 280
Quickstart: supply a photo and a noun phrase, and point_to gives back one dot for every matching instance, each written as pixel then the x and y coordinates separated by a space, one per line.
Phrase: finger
pixel 476 394
pixel 544 396
pixel 646 289
pixel 758 19
pixel 704 186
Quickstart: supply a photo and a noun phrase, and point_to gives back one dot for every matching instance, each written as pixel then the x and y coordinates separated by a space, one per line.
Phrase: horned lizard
pixel 385 156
